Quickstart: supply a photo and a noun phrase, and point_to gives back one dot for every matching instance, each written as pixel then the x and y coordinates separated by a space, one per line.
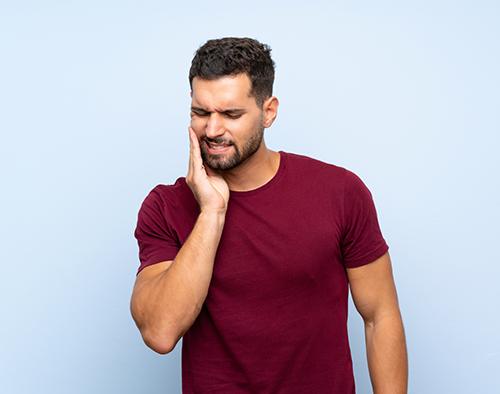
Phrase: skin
pixel 374 295
pixel 168 296
pixel 211 121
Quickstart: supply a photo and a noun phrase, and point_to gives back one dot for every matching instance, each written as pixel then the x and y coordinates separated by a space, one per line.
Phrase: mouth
pixel 217 148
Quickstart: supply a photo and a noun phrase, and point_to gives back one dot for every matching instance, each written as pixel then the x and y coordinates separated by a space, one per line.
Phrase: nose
pixel 215 126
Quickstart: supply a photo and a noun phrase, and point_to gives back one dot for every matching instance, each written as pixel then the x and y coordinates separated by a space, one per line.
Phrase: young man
pixel 249 257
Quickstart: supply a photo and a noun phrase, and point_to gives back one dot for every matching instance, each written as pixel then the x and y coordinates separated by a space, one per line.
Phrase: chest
pixel 278 246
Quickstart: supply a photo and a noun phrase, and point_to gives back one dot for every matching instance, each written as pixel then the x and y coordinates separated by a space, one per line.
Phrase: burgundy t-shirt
pixel 275 317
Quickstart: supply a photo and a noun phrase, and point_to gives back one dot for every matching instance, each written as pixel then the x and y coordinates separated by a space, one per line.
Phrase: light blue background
pixel 94 103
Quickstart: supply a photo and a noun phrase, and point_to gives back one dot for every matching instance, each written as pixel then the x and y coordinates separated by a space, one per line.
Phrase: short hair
pixel 231 56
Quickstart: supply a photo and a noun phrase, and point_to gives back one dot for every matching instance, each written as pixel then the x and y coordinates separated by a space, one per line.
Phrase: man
pixel 249 257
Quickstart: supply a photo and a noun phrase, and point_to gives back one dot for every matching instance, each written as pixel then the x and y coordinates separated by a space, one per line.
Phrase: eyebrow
pixel 229 110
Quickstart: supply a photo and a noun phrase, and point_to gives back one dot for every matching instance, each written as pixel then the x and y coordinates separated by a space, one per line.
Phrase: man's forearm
pixel 387 355
pixel 168 305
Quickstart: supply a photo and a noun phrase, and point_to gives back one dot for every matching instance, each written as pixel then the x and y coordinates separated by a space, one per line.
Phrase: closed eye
pixel 226 114
pixel 199 113
pixel 233 116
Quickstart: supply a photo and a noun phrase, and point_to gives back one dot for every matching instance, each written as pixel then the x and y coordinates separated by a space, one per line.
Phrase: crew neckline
pixel 268 184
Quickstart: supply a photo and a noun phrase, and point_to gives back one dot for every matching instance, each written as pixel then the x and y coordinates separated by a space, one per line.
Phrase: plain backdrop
pixel 94 108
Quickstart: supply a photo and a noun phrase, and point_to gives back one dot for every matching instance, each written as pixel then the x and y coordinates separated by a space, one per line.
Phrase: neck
pixel 256 171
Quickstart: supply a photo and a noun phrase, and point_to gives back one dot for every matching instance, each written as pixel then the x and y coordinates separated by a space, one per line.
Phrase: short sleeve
pixel 156 240
pixel 362 241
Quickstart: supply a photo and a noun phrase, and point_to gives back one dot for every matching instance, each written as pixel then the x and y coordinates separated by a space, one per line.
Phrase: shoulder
pixel 309 169
pixel 163 195
pixel 303 165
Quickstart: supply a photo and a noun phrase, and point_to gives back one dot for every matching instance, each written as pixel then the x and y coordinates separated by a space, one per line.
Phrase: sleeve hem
pixel 154 260
pixel 369 258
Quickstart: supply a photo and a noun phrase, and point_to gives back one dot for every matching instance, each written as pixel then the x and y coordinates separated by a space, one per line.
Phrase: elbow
pixel 156 339
pixel 390 318
pixel 161 344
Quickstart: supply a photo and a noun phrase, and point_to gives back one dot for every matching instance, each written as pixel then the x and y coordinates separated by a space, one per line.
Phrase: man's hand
pixel 209 188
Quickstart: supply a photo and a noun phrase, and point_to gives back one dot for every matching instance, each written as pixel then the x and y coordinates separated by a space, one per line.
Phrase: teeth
pixel 217 146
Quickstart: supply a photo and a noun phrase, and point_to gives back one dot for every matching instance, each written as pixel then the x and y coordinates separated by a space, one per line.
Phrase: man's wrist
pixel 213 213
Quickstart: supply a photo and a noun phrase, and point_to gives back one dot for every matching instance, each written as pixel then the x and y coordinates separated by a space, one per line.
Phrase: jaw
pixel 220 159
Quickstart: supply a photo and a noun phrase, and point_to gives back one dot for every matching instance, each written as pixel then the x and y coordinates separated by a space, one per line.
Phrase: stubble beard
pixel 224 162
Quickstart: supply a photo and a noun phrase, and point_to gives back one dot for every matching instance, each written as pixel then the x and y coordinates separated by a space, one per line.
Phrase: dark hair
pixel 232 55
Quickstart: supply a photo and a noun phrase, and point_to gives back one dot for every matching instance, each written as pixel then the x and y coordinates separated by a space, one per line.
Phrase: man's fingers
pixel 196 149
pixel 191 148
pixel 196 161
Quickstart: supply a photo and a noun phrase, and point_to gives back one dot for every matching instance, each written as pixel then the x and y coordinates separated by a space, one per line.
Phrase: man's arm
pixel 169 295
pixel 374 295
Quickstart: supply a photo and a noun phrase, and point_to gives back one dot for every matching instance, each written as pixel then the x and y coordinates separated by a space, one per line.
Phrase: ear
pixel 270 111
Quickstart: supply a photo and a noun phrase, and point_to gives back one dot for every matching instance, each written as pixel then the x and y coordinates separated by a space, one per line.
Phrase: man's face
pixel 226 120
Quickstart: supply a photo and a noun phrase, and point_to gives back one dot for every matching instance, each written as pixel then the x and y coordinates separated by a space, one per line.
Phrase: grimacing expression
pixel 226 120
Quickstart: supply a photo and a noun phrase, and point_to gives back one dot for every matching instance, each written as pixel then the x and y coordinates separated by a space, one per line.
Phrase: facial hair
pixel 225 162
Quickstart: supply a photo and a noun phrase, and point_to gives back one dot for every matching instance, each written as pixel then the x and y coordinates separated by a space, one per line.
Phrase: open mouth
pixel 217 148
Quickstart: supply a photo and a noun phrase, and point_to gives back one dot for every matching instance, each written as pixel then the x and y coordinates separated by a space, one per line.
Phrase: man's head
pixel 231 56
pixel 231 89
